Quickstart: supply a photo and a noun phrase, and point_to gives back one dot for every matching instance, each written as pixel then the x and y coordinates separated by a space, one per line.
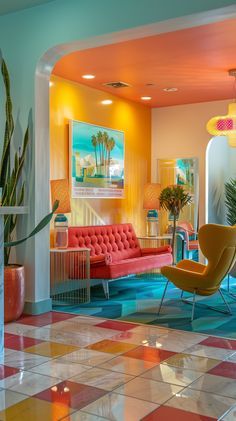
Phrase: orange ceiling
pixel 195 60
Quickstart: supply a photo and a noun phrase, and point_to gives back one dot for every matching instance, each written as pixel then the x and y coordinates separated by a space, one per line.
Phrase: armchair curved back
pixel 218 244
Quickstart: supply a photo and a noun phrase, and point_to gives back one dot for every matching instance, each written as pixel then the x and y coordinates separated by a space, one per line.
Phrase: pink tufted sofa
pixel 116 252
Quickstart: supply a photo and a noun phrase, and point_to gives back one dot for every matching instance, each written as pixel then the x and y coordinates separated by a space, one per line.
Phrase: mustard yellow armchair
pixel 218 245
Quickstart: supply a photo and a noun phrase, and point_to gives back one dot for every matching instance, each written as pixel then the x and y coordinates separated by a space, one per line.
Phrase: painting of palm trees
pixel 97 160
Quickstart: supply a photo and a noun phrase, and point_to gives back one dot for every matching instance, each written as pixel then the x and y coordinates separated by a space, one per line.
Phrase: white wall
pixel 180 132
pixel 221 167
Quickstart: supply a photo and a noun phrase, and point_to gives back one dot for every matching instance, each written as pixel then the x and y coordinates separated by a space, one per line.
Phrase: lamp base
pixel 152 226
pixel 61 231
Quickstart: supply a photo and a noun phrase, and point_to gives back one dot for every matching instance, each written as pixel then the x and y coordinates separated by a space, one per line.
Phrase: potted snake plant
pixel 230 203
pixel 13 192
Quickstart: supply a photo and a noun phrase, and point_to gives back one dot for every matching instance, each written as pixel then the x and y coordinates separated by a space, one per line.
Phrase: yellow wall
pixel 69 100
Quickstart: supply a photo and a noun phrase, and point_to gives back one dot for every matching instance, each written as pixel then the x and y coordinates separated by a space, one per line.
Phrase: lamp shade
pixel 224 125
pixel 151 196
pixel 60 191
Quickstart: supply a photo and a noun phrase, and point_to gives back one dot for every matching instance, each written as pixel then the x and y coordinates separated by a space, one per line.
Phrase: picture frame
pixel 96 161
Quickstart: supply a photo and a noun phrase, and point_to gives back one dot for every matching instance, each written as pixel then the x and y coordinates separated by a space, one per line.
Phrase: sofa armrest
pixel 101 260
pixel 97 260
pixel 156 250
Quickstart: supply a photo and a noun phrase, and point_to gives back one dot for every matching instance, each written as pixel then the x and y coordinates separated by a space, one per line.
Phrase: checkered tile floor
pixel 60 366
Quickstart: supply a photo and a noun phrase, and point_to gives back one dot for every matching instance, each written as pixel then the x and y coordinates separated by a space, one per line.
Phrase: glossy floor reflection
pixel 135 299
pixel 65 367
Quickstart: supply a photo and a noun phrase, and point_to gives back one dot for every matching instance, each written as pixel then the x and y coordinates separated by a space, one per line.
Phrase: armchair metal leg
pixel 227 305
pixel 162 298
pixel 193 308
pixel 228 287
pixel 192 302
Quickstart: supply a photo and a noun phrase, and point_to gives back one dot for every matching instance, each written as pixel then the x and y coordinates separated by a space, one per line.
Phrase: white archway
pixel 39 293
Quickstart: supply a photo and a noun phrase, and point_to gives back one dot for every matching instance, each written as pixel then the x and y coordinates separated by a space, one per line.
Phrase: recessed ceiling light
pixel 146 98
pixel 50 83
pixel 106 102
pixel 88 76
pixel 170 89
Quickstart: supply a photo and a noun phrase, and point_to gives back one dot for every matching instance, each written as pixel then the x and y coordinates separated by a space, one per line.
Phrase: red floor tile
pixel 70 394
pixel 8 335
pixel 219 343
pixel 45 319
pixel 165 413
pixel 112 324
pixel 6 371
pixel 19 343
pixel 224 369
pixel 149 354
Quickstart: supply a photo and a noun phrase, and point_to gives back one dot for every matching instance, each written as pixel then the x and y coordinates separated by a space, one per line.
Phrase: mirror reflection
pixel 184 172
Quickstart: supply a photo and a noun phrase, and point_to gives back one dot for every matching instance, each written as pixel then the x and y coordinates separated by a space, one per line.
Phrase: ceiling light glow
pixel 106 102
pixel 146 98
pixel 88 76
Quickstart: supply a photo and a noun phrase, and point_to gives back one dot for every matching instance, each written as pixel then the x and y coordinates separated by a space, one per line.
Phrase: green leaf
pixel 230 201
pixel 9 126
pixel 37 229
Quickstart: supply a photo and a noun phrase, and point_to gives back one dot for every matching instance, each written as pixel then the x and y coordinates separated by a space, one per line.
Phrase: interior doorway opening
pixel 220 168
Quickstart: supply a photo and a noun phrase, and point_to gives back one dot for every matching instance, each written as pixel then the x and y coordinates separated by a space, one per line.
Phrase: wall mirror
pixel 182 171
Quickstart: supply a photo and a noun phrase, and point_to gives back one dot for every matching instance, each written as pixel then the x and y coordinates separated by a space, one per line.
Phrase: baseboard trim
pixel 38 307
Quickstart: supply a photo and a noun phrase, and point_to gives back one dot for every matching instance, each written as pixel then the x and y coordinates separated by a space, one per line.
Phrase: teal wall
pixel 26 35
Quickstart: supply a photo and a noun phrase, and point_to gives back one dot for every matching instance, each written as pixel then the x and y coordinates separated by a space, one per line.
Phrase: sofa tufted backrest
pixel 118 240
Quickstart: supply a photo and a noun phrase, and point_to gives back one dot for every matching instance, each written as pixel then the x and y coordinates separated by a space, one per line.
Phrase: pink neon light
pixel 225 124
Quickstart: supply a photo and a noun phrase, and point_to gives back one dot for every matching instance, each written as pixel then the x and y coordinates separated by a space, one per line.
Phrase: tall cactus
pixel 12 188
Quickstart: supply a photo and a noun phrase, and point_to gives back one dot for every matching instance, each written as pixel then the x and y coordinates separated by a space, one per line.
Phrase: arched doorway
pixel 220 167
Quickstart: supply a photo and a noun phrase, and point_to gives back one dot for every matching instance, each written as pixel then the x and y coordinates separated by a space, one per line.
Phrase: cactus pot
pixel 14 292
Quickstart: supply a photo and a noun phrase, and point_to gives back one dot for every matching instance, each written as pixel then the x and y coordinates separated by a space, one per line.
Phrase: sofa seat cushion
pixel 130 266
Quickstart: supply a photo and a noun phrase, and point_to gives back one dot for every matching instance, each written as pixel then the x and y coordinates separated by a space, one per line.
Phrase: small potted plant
pixel 12 192
pixel 173 199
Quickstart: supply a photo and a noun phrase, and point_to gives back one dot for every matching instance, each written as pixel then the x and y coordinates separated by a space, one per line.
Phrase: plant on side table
pixel 230 202
pixel 13 189
pixel 173 199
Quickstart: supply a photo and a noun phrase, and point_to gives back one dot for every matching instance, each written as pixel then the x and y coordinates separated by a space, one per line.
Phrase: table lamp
pixel 151 203
pixel 60 191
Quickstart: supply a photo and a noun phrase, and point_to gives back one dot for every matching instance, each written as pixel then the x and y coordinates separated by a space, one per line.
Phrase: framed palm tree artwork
pixel 96 161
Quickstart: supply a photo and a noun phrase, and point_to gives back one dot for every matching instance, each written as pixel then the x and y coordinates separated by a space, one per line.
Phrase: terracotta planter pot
pixel 14 292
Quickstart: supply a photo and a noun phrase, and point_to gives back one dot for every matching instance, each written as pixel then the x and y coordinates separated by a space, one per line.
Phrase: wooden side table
pixel 146 241
pixel 70 276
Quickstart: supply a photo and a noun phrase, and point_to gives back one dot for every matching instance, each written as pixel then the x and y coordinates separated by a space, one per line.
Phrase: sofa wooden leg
pixel 105 285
